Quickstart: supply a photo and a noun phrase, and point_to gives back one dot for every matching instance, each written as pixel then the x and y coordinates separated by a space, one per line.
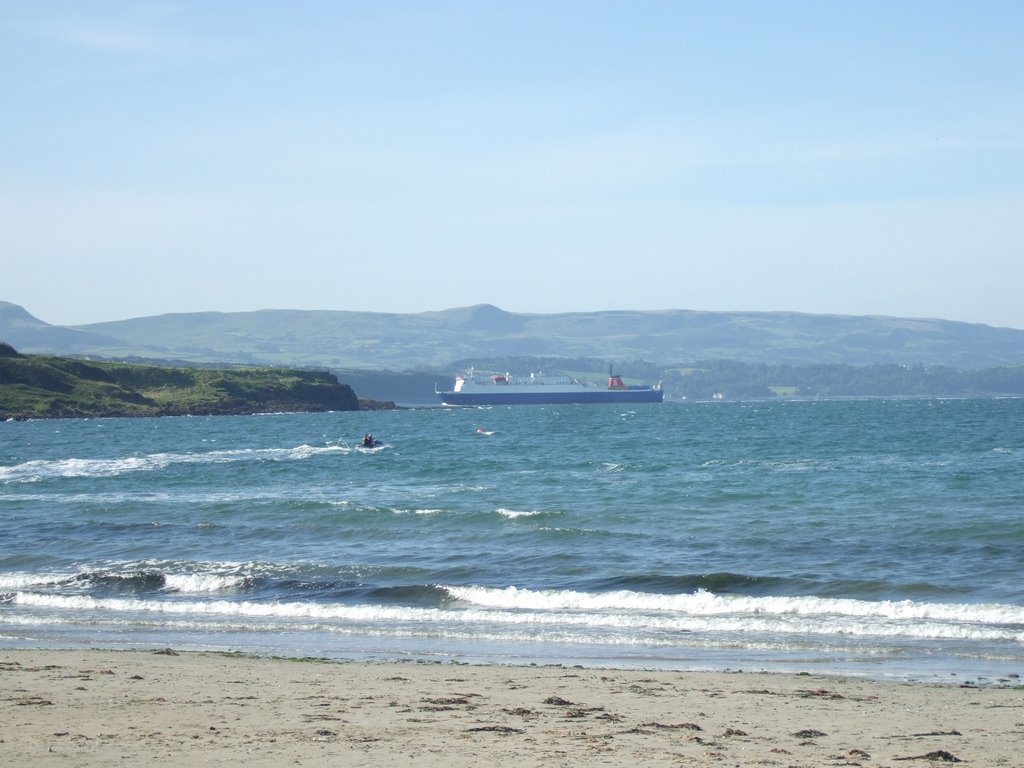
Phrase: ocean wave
pixel 204 582
pixel 22 580
pixel 139 576
pixel 513 514
pixel 253 579
pixel 44 469
pixel 671 583
pixel 704 603
pixel 472 634
pixel 602 626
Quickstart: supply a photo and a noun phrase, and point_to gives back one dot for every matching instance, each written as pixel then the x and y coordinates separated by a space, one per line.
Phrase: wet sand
pixel 103 708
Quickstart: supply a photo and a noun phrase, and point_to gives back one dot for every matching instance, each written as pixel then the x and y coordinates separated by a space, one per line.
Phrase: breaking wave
pixel 651 618
pixel 45 469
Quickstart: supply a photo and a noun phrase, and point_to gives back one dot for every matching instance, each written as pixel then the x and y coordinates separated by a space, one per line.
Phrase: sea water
pixel 882 538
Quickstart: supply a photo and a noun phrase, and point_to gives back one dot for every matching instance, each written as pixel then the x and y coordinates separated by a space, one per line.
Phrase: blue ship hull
pixel 613 396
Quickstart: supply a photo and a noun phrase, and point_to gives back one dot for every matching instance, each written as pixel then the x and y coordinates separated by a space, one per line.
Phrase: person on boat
pixel 368 441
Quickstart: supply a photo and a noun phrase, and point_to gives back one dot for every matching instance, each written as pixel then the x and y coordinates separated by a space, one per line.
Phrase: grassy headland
pixel 42 386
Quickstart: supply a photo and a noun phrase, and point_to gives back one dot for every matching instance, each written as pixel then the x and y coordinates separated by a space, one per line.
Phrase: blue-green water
pixel 874 537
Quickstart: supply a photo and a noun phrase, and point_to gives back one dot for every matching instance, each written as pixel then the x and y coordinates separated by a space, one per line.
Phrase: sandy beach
pixel 102 708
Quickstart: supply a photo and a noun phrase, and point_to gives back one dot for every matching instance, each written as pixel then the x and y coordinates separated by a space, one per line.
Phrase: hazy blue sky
pixel 841 157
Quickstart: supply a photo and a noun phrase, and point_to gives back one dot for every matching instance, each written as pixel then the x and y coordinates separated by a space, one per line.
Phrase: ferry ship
pixel 537 388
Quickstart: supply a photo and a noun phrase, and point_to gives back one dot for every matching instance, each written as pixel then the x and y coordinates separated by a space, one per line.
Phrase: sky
pixel 858 158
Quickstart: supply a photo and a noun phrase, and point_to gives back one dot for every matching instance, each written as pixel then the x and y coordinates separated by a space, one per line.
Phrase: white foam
pixel 40 469
pixel 599 625
pixel 706 603
pixel 512 514
pixel 202 582
pixel 20 580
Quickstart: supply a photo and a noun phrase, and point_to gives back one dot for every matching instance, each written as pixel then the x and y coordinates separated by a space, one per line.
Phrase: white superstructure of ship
pixel 506 389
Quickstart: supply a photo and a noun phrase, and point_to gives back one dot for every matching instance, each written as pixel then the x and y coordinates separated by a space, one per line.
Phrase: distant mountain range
pixel 434 341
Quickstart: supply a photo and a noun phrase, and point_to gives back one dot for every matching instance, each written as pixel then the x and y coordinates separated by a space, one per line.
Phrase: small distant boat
pixel 718 396
pixel 540 389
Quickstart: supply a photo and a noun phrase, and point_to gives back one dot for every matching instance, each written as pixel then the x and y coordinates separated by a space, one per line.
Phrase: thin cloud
pixel 143 28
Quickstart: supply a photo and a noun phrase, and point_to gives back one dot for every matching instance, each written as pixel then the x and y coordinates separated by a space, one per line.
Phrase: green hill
pixel 432 341
pixel 36 386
